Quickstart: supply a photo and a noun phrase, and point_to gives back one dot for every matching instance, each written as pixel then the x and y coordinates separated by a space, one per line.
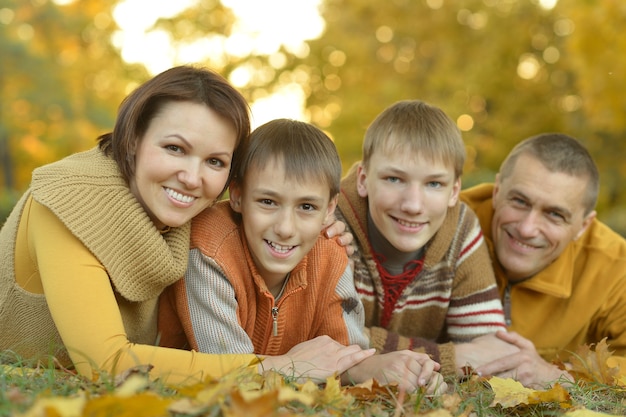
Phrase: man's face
pixel 537 213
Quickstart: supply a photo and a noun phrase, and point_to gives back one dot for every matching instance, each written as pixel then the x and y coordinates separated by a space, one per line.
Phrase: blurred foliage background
pixel 503 69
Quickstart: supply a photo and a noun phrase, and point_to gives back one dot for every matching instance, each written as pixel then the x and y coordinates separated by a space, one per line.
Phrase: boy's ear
pixel 361 177
pixel 234 192
pixel 456 190
pixel 330 212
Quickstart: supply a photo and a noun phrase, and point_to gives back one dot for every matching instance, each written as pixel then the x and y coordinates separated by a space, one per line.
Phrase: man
pixel 560 271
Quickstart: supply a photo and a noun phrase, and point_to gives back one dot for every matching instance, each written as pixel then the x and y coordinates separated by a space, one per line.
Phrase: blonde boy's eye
pixel 308 207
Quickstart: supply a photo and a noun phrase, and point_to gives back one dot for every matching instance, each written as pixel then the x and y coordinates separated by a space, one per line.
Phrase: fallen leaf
pixel 57 406
pixel 556 394
pixel 508 392
pixel 593 365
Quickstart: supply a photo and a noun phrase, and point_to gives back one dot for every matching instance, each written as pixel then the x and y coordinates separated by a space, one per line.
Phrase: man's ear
pixel 361 180
pixel 496 188
pixel 586 223
pixel 234 192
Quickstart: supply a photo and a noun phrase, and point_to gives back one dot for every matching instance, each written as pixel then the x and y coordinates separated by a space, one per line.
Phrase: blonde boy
pixel 422 269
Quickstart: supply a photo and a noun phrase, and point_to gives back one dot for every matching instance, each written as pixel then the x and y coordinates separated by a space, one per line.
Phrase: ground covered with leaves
pixel 600 390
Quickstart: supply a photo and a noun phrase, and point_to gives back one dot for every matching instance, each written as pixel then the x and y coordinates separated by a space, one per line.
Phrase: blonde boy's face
pixel 408 196
pixel 282 218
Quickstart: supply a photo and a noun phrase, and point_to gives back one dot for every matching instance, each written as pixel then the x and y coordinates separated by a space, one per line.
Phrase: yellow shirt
pixel 579 299
pixel 81 273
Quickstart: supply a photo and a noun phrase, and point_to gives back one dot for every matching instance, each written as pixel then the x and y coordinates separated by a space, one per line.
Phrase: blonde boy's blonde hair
pixel 416 128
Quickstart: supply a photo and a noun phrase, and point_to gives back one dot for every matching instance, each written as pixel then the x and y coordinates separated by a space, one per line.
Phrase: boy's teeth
pixel 279 248
pixel 179 197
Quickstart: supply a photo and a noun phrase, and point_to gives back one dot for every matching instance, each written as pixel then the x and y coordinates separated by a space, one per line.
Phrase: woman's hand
pixel 316 359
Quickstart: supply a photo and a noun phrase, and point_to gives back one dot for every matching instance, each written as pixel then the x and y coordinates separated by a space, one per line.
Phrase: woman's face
pixel 182 162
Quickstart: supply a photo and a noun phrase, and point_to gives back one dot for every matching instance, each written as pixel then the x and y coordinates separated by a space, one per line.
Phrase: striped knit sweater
pixel 453 299
pixel 224 305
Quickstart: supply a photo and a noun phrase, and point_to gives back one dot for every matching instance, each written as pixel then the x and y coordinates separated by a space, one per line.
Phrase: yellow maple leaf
pixel 556 394
pixel 139 405
pixel 59 406
pixel 508 392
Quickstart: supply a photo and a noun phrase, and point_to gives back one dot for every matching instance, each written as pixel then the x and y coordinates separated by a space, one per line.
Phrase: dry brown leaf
pixel 261 406
pixel 371 389
pixel 594 365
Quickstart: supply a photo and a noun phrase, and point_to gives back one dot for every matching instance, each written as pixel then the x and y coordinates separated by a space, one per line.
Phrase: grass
pixel 22 387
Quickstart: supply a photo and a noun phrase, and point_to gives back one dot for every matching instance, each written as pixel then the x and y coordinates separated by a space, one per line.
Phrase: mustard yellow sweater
pixel 579 299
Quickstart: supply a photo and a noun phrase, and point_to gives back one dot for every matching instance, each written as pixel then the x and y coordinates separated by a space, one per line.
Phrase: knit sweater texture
pixel 118 260
pixel 453 299
pixel 578 299
pixel 225 306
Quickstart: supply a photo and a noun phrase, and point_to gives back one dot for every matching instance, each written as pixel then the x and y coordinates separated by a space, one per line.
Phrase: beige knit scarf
pixel 88 194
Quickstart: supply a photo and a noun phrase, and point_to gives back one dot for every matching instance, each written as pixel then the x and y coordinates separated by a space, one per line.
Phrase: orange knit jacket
pixel 309 307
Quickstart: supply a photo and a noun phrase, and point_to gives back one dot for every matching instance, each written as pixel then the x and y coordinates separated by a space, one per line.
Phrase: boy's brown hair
pixel 306 152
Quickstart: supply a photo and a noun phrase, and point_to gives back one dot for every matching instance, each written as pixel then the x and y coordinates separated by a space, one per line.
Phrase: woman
pixel 97 237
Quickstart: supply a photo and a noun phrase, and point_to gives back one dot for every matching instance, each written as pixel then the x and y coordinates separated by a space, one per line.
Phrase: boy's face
pixel 408 196
pixel 282 218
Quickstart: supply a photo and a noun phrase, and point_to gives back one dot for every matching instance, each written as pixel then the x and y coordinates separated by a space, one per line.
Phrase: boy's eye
pixel 308 207
pixel 434 184
pixel 392 179
pixel 266 201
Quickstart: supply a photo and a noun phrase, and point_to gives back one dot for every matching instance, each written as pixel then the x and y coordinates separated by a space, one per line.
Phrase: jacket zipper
pixel 506 305
pixel 274 321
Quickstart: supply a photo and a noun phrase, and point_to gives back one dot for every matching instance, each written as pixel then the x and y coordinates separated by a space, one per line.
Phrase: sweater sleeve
pixel 475 307
pixel 83 306
pixel 352 310
pixel 213 308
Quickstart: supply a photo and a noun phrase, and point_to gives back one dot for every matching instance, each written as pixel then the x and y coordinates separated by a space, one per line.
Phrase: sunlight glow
pixel 260 30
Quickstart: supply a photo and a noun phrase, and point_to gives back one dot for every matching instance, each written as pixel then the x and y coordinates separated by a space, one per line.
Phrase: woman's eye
pixel 173 148
pixel 215 162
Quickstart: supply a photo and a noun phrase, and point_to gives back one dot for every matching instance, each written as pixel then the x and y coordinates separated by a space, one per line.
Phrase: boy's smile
pixel 282 218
